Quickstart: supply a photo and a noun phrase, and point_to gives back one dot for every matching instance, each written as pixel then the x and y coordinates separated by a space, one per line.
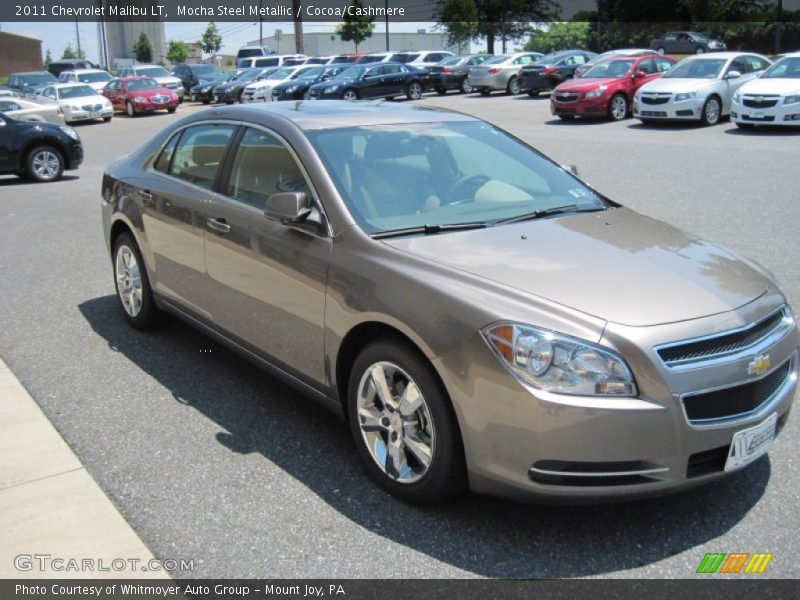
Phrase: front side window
pixel 648 66
pixel 263 166
pixel 663 65
pixel 5 105
pixel 409 175
pixel 199 153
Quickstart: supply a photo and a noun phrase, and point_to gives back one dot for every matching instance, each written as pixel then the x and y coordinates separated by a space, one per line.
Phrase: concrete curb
pixel 52 513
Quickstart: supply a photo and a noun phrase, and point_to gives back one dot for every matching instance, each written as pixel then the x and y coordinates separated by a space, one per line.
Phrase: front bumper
pixel 685 110
pixel 153 106
pixel 72 116
pixel 529 444
pixel 778 115
pixel 581 107
pixel 259 95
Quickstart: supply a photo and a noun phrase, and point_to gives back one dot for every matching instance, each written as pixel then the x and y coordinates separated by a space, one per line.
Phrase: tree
pixel 69 52
pixel 508 19
pixel 211 41
pixel 559 36
pixel 48 58
pixel 355 28
pixel 143 49
pixel 178 51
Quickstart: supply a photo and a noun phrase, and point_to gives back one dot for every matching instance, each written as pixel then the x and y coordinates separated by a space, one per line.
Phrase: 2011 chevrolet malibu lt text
pixel 480 316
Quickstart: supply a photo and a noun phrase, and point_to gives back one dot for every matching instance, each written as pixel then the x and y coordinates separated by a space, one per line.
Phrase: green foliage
pixel 48 59
pixel 559 36
pixel 495 18
pixel 355 28
pixel 178 51
pixel 70 52
pixel 143 49
pixel 211 40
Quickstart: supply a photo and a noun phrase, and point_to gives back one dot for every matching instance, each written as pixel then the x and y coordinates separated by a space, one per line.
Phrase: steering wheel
pixel 462 185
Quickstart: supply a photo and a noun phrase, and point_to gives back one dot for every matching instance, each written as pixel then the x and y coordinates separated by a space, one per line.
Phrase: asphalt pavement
pixel 208 458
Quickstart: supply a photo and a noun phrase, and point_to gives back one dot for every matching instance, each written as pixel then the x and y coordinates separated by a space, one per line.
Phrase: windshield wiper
pixel 428 229
pixel 546 212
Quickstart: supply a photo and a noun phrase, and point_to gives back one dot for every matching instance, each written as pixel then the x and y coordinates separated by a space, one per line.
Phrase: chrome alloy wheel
pixel 129 280
pixel 619 108
pixel 395 422
pixel 711 111
pixel 415 91
pixel 45 164
pixel 350 95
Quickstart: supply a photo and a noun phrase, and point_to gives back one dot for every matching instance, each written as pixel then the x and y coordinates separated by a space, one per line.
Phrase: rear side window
pixel 663 65
pixel 754 63
pixel 199 152
pixel 263 166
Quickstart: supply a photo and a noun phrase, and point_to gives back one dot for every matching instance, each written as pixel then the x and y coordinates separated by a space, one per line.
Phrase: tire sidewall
pixel 610 106
pixel 704 120
pixel 149 314
pixel 29 164
pixel 446 474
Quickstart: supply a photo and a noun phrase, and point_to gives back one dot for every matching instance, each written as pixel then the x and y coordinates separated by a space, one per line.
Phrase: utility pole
pixel 78 34
pixel 298 27
pixel 386 4
pixel 778 26
pixel 260 25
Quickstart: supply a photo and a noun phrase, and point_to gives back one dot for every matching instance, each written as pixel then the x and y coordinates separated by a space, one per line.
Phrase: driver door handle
pixel 218 225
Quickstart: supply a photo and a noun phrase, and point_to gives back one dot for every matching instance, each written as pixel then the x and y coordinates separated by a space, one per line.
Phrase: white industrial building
pixel 318 43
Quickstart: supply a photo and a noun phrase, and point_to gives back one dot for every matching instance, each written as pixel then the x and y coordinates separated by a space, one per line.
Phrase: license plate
pixel 749 444
pixel 759 114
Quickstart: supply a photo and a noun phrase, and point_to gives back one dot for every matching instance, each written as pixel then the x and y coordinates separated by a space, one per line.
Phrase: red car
pixel 607 89
pixel 136 95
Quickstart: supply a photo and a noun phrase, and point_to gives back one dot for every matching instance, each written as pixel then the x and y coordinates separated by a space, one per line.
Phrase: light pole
pixel 386 4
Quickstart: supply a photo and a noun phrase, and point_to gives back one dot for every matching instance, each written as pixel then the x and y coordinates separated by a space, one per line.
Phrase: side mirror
pixel 288 207
pixel 733 75
pixel 572 169
pixel 638 74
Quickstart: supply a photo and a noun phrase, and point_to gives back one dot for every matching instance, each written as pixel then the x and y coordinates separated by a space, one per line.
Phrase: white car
pixel 79 102
pixel 773 98
pixel 261 89
pixel 96 78
pixel 26 109
pixel 420 59
pixel 699 88
pixel 160 74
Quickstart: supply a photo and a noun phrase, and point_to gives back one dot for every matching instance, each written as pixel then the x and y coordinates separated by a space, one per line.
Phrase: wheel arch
pixel 44 141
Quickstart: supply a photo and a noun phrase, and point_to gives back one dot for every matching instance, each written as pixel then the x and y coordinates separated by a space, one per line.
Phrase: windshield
pixel 152 72
pixel 415 174
pixel 38 79
pixel 350 73
pixel 311 73
pixel 248 75
pixel 611 69
pixel 205 70
pixel 282 74
pixel 76 91
pixel 788 68
pixel 697 69
pixel 93 77
pixel 245 52
pixel 143 84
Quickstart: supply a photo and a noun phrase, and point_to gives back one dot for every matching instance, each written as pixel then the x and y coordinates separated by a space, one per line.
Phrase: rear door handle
pixel 145 195
pixel 218 225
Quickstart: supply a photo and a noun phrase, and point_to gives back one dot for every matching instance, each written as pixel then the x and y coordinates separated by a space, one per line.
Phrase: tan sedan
pixel 478 315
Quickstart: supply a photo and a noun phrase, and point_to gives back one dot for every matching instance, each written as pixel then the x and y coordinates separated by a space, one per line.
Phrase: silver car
pixel 478 315
pixel 500 73
pixel 25 109
pixel 699 88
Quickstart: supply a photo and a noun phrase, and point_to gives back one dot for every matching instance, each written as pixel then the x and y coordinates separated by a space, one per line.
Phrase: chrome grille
pixel 721 344
pixel 654 99
pixel 91 107
pixel 565 97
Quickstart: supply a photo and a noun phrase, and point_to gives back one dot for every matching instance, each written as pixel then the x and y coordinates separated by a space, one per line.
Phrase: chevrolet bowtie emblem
pixel 759 365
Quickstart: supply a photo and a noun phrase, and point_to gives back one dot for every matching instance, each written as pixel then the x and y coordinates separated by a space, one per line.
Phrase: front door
pixel 267 279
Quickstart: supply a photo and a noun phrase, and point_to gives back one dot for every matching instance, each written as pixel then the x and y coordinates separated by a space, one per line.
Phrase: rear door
pixel 266 279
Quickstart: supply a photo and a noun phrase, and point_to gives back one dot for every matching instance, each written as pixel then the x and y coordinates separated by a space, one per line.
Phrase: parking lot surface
pixel 211 459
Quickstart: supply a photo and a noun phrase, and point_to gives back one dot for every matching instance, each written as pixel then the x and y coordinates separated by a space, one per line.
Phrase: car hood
pixel 149 93
pixel 771 86
pixel 676 85
pixel 81 100
pixel 617 265
pixel 585 85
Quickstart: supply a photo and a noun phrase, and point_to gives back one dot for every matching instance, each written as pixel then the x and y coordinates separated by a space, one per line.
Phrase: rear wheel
pixel 130 109
pixel 618 107
pixel 350 95
pixel 414 90
pixel 44 163
pixel 712 110
pixel 512 87
pixel 404 425
pixel 133 285
pixel 699 50
pixel 466 88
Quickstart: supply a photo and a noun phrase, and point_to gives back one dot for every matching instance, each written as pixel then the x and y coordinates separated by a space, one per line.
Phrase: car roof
pixel 791 55
pixel 31 73
pixel 79 71
pixel 334 114
pixel 724 55
pixel 61 86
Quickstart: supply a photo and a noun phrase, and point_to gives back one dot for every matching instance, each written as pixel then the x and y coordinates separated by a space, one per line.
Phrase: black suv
pixel 192 74
pixel 39 151
pixel 69 64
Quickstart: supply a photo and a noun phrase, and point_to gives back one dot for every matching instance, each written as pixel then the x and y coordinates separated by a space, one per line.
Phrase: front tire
pixel 465 87
pixel 712 111
pixel 403 424
pixel 414 90
pixel 133 285
pixel 43 164
pixel 618 107
pixel 350 95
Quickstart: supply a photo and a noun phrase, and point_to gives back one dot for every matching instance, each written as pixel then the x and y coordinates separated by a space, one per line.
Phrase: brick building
pixel 19 53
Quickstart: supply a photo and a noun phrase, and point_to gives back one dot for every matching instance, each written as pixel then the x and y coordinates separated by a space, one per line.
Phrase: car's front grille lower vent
pixel 586 474
pixel 722 344
pixel 737 400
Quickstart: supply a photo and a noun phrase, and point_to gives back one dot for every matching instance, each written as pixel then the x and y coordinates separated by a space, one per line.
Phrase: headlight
pixel 140 99
pixel 558 363
pixel 292 89
pixel 330 89
pixel 596 93
pixel 737 97
pixel 69 131
pixel 794 99
pixel 205 89
pixel 685 96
